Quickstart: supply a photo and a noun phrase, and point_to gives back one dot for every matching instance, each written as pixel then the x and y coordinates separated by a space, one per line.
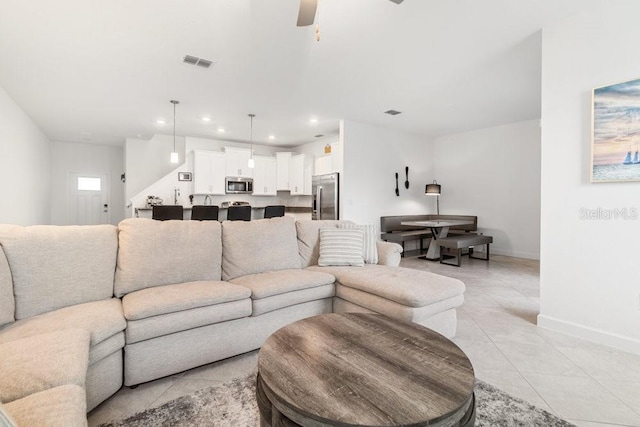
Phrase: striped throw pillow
pixel 341 246
pixel 370 251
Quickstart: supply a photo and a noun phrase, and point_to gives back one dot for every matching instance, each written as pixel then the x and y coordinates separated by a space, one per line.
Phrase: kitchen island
pixel 257 212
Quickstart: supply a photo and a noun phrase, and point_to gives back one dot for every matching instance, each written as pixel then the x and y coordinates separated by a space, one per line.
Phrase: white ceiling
pixel 102 71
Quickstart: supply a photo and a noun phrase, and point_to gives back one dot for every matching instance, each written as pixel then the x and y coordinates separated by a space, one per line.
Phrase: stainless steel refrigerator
pixel 325 190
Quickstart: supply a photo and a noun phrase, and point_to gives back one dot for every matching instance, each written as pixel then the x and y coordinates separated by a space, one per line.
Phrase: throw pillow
pixel 370 251
pixel 341 246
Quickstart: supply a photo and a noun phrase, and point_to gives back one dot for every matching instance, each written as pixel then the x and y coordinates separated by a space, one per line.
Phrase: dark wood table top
pixel 365 370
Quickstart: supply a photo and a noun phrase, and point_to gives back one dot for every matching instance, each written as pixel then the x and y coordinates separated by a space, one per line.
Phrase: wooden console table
pixel 365 370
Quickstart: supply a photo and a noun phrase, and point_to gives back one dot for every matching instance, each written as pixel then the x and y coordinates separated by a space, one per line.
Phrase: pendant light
pixel 252 163
pixel 174 154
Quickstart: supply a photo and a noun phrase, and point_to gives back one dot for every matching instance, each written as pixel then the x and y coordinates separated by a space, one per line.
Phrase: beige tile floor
pixel 585 383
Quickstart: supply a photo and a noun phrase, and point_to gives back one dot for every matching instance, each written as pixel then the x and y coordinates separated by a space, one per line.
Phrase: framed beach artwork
pixel 616 133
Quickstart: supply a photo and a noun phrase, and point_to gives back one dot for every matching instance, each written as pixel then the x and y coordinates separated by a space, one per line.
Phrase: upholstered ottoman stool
pixel 400 293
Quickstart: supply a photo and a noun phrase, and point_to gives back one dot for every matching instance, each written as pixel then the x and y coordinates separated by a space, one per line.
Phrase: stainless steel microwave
pixel 238 185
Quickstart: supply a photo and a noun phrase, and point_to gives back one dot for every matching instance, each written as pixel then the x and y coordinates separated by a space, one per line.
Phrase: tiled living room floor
pixel 585 383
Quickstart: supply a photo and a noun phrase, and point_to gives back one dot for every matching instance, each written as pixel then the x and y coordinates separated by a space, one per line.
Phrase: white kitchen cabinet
pixel 209 172
pixel 323 165
pixel 283 161
pixel 265 176
pixel 301 172
pixel 238 162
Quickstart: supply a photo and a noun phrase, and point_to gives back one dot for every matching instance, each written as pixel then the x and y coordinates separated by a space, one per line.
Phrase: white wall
pixel 24 167
pixel 495 174
pixel 590 285
pixel 88 159
pixel 372 155
pixel 146 161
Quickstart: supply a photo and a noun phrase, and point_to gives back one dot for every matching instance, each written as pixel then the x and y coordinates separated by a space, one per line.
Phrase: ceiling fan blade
pixel 307 12
pixel 397 1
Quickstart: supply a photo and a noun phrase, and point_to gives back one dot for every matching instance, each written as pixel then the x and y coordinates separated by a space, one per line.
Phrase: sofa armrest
pixel 388 253
pixel 40 362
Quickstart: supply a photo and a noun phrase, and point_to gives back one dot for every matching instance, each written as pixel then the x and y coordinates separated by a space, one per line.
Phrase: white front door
pixel 88 199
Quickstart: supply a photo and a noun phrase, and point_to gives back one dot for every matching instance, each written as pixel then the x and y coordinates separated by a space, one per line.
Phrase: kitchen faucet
pixel 207 197
pixel 176 193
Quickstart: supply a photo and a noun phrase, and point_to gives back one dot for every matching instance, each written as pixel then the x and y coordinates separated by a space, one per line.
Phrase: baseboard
pixel 515 254
pixel 590 334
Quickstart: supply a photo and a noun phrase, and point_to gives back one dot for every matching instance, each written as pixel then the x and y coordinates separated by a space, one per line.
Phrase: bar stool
pixel 167 212
pixel 239 213
pixel 273 211
pixel 204 213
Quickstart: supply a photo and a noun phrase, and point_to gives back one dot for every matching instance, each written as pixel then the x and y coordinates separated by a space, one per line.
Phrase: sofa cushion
pixel 60 406
pixel 270 283
pixel 7 302
pixel 341 246
pixel 273 290
pixel 55 267
pixel 44 361
pixel 276 302
pixel 412 288
pixel 308 233
pixel 157 253
pixel 166 324
pixel 257 246
pixel 396 310
pixel 102 319
pixel 183 296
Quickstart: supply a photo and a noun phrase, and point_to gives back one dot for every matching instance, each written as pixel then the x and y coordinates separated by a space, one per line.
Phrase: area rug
pixel 233 404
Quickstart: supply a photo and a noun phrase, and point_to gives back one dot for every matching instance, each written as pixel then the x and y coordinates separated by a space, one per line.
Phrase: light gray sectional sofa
pixel 85 309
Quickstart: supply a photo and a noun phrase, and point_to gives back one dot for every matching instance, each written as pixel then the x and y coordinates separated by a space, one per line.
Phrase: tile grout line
pixel 637 411
pixel 555 412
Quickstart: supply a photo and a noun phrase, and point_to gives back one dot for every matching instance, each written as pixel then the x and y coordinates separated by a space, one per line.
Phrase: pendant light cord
pixel 251 134
pixel 174 102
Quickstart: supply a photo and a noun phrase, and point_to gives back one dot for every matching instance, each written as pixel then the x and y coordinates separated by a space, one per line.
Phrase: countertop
pixel 292 209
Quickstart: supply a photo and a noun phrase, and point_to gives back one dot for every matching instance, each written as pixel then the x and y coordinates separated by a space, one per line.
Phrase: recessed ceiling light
pixel 319 135
pixel 272 137
pixel 221 130
pixel 206 119
pixel 313 121
pixel 393 112
pixel 160 122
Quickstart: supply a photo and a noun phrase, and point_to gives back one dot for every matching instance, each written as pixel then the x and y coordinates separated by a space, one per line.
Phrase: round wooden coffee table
pixel 363 370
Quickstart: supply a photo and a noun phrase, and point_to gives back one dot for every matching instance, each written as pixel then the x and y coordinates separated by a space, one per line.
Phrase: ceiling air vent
pixel 194 60
pixel 319 135
pixel 393 112
pixel 204 63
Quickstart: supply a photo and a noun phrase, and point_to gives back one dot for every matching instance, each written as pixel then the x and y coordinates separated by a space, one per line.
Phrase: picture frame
pixel 185 176
pixel 615 136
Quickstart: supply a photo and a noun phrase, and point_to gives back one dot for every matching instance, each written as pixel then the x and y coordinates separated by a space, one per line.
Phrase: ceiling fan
pixel 307 12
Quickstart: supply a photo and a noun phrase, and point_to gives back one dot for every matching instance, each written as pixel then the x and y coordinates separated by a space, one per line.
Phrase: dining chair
pixel 167 212
pixel 204 213
pixel 273 211
pixel 239 213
